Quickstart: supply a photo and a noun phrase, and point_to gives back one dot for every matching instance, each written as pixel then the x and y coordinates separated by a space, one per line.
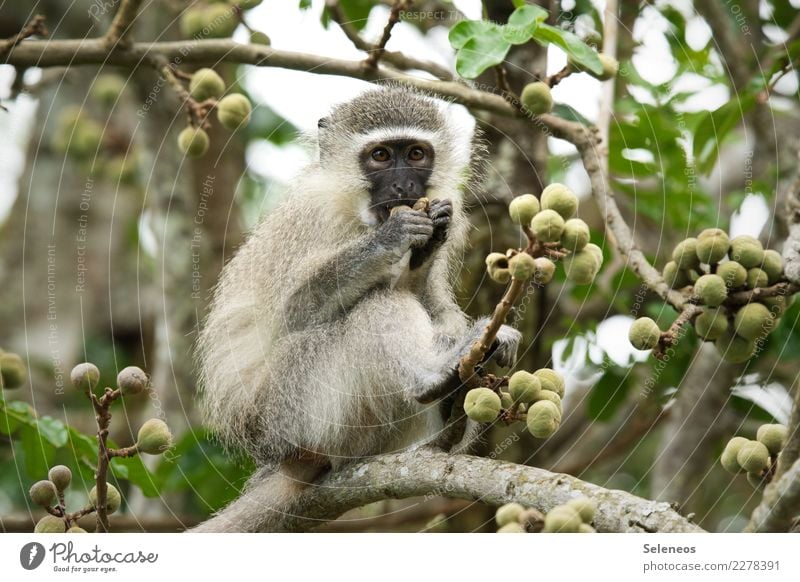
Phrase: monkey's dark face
pixel 398 172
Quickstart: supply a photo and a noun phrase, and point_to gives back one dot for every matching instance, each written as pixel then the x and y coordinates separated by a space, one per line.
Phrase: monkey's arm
pixel 336 284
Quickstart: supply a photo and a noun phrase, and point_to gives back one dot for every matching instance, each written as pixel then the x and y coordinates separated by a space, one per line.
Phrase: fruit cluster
pixel 217 19
pixel 100 150
pixel 153 438
pixel 12 370
pixel 532 398
pixel 537 97
pixel 714 270
pixel 233 110
pixel 551 223
pixel 575 516
pixel 756 457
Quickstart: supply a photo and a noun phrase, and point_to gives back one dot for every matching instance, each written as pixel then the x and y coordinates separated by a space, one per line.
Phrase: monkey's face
pixel 398 172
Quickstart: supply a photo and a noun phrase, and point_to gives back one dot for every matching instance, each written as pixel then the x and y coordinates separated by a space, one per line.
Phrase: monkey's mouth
pixel 384 210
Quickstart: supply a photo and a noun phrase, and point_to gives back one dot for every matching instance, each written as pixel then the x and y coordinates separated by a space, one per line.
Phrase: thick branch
pixel 780 506
pixel 428 472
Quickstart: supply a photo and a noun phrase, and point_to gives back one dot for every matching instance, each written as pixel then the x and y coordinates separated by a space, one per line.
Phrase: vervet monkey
pixel 333 331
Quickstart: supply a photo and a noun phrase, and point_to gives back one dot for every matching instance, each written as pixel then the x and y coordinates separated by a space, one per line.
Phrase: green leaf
pixel 357 11
pixel 480 53
pixel 714 126
pixel 578 50
pixel 133 469
pixel 565 111
pixel 522 23
pixel 37 451
pixel 54 431
pixel 465 30
pixel 609 392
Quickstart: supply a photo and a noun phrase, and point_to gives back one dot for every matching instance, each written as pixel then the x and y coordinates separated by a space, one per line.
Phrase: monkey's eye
pixel 380 155
pixel 416 154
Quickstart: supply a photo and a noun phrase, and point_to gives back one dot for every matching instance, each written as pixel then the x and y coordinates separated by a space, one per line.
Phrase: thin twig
pixel 35 27
pixel 556 78
pixel 118 35
pixel 380 47
pixel 102 408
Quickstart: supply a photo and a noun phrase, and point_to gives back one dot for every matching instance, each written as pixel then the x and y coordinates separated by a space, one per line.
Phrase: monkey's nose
pixel 401 189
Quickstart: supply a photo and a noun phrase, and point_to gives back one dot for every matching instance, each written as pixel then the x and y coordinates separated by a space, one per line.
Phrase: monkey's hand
pixel 440 212
pixel 405 230
pixel 505 346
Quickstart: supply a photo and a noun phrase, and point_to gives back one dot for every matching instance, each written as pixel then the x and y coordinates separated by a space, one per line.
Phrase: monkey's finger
pixel 441 208
pixel 422 229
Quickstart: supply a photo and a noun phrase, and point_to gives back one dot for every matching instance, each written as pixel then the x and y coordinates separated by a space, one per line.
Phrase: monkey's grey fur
pixel 321 341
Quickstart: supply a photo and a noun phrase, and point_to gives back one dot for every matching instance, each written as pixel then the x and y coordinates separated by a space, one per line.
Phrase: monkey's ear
pixel 323 123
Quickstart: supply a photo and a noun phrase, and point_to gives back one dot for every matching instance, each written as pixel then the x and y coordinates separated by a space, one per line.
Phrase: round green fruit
pixel 543 419
pixel 710 290
pixel 644 334
pixel 497 267
pixel 753 320
pixel 508 513
pixel 113 498
pixel 523 208
pixel 233 111
pixel 729 454
pixel 711 249
pixel 537 98
pixel 132 380
pixel 192 23
pixel 772 265
pixel 12 370
pixel 43 493
pixel 522 266
pixel 757 278
pixel 154 437
pixel 756 480
pixel 85 376
pixel 711 324
pixel 206 84
pixel 544 269
pixel 586 528
pixel 685 254
pixel 675 277
pixel 575 236
pixel 581 268
pixel 258 37
pixel 585 507
pixel 562 519
pixel 219 21
pixel 550 380
pixel 548 395
pixel 561 199
pixel 753 457
pixel 50 524
pixel 548 225
pixel 777 304
pixel 482 405
pixel 107 89
pixel 193 142
pixel 747 251
pixel 524 387
pixel 735 349
pixel 772 436
pixel 511 528
pixel 734 274
pixel 76 529
pixel 60 476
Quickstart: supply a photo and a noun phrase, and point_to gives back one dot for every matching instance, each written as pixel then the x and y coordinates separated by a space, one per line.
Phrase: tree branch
pixel 118 32
pixel 427 472
pixel 780 506
pixel 35 27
